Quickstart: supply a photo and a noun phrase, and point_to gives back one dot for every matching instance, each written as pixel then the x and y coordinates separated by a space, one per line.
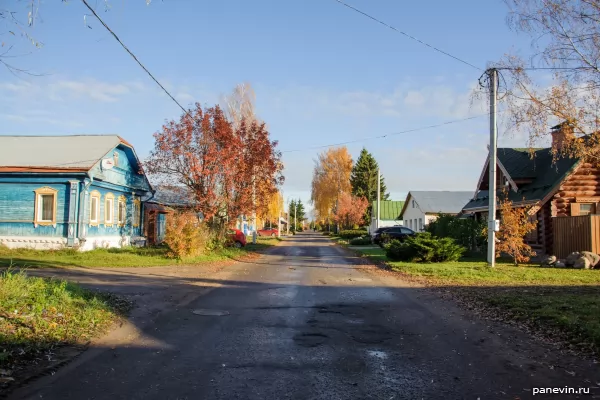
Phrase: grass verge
pixel 119 257
pixel 38 315
pixel 561 303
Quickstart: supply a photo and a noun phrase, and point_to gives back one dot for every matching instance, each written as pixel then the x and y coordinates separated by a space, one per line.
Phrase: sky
pixel 323 74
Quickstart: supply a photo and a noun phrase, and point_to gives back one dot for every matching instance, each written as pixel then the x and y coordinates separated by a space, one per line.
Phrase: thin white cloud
pixel 404 100
pixel 95 90
pixel 68 89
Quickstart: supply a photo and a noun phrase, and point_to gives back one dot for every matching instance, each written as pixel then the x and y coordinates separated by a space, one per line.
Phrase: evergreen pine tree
pixel 296 209
pixel 363 180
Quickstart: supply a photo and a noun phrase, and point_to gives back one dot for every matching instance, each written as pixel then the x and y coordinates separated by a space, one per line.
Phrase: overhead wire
pixel 389 134
pixel 408 35
pixel 133 55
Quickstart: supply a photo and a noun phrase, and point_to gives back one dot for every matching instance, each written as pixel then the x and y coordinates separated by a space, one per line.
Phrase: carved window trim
pixel 95 195
pixel 109 209
pixel 122 218
pixel 44 191
pixel 137 211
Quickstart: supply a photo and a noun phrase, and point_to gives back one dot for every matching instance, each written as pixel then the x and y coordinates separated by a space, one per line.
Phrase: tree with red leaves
pixel 216 164
pixel 198 153
pixel 350 210
pixel 258 173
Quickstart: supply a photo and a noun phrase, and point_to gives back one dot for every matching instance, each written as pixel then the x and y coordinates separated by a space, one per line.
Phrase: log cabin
pixel 550 188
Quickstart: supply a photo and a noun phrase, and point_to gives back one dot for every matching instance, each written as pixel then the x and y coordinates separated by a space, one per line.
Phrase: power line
pixel 544 68
pixel 407 35
pixel 389 134
pixel 133 55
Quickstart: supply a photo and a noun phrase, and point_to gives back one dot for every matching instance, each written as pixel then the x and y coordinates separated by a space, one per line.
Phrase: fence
pixel 576 234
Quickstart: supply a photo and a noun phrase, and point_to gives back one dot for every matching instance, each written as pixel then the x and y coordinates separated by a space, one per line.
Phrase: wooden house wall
pixel 17 204
pixel 102 229
pixel 583 183
pixel 123 174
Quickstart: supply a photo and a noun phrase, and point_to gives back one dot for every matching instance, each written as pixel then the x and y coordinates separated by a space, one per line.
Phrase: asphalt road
pixel 304 323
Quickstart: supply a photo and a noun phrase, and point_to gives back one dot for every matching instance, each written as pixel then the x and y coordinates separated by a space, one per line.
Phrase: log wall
pixel 584 183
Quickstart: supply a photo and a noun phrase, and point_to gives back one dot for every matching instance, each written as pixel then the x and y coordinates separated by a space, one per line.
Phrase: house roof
pixel 534 164
pixel 54 153
pixel 171 198
pixel 389 209
pixel 436 202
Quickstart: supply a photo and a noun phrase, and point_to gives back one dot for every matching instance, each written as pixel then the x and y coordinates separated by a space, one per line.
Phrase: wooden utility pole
pixel 378 197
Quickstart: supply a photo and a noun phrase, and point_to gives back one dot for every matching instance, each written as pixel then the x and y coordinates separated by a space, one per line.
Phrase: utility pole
pixel 492 223
pixel 288 216
pixel 295 219
pixel 378 197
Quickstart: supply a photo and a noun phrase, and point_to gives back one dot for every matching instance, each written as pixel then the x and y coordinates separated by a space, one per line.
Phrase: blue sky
pixel 322 74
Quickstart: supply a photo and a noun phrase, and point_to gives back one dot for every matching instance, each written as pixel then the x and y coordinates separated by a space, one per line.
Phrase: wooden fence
pixel 576 234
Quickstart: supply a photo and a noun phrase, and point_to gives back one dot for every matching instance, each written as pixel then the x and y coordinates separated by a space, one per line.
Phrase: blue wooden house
pixel 82 191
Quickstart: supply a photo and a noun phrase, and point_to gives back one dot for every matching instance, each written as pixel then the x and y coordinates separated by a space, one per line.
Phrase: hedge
pixel 423 247
pixel 351 234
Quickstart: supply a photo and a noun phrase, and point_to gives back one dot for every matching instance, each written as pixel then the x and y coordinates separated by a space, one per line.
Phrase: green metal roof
pixel 390 210
pixel 535 164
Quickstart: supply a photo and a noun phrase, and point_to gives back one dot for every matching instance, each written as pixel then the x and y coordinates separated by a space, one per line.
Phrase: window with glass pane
pixel 94 210
pixel 587 209
pixel 136 213
pixel 122 212
pixel 47 207
pixel 108 210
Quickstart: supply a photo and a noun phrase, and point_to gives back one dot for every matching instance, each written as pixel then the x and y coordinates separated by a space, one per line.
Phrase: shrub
pixel 465 231
pixel 186 236
pixel 326 233
pixel 423 247
pixel 360 241
pixel 351 234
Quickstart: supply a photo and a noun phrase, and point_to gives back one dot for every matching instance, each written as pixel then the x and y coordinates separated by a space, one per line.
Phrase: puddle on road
pixel 210 313
pixel 309 339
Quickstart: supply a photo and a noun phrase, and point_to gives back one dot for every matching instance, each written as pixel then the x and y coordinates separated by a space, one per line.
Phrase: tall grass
pixel 37 313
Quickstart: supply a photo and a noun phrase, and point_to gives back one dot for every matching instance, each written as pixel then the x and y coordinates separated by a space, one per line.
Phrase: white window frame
pixel 95 195
pixel 39 209
pixel 109 209
pixel 122 201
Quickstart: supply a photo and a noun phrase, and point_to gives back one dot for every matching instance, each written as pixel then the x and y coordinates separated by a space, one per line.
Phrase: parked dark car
pixel 378 232
pixel 394 233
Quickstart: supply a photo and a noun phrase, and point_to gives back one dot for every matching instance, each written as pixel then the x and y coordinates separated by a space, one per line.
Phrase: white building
pixel 422 207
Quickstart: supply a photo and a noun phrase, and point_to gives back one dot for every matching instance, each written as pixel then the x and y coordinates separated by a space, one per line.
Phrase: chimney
pixel 562 134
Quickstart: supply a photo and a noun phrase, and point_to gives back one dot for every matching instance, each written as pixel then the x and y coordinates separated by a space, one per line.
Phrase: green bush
pixel 465 231
pixel 423 247
pixel 351 234
pixel 360 241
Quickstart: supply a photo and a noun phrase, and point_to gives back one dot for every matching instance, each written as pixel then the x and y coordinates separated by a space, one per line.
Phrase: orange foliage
pixel 350 210
pixel 515 224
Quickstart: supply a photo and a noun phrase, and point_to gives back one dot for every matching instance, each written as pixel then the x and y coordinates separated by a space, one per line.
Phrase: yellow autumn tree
pixel 274 208
pixel 559 82
pixel 331 178
pixel 515 225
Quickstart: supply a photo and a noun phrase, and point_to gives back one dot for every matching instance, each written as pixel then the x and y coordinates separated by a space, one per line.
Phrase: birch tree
pixel 565 38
